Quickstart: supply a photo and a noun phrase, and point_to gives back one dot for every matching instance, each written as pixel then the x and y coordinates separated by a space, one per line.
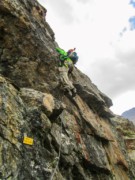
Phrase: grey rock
pixel 73 138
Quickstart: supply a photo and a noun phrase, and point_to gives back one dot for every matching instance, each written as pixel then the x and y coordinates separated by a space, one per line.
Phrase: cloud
pixel 123 31
pixel 123 102
pixel 83 1
pixel 114 75
pixel 62 8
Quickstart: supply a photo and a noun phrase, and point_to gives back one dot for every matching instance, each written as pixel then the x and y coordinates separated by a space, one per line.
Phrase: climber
pixel 66 65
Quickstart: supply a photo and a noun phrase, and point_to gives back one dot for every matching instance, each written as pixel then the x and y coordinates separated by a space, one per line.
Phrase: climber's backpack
pixel 74 57
pixel 62 54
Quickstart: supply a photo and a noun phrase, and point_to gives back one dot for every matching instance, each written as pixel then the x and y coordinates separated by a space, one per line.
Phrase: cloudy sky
pixel 103 33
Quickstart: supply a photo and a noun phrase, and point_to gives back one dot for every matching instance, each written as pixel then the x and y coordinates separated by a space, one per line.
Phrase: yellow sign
pixel 28 141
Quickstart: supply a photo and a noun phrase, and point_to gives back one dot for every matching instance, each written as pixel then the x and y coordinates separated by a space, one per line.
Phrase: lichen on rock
pixel 73 138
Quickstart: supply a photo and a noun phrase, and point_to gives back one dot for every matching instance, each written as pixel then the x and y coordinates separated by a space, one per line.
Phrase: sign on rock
pixel 28 141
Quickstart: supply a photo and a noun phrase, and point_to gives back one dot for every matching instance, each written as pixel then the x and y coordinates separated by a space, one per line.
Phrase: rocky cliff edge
pixel 73 138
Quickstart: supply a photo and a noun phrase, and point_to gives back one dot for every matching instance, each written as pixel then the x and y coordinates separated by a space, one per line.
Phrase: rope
pixel 58 154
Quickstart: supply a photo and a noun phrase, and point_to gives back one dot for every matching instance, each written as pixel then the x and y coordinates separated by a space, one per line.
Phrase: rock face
pixel 73 138
pixel 129 114
pixel 126 130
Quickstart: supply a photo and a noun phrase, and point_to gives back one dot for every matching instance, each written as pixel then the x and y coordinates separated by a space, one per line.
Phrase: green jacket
pixel 64 59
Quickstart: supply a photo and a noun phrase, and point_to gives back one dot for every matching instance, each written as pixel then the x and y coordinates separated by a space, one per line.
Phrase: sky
pixel 103 33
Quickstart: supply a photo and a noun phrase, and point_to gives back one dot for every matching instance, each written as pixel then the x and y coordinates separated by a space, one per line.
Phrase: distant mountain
pixel 129 114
